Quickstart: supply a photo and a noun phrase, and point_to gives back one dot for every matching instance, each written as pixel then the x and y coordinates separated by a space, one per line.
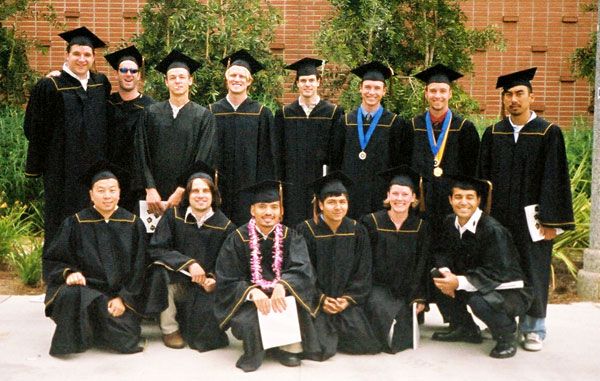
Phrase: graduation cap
pixel 244 59
pixel 177 59
pixel 82 36
pixel 265 191
pixel 481 186
pixel 334 183
pixel 198 170
pixel 130 53
pixel 374 71
pixel 404 175
pixel 438 73
pixel 306 66
pixel 102 170
pixel 522 77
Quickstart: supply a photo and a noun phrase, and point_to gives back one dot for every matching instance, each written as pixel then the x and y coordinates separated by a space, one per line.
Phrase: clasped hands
pixel 448 284
pixel 334 306
pixel 199 277
pixel 264 304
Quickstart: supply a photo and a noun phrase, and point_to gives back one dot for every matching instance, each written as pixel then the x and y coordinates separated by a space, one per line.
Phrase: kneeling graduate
pixel 94 270
pixel 259 264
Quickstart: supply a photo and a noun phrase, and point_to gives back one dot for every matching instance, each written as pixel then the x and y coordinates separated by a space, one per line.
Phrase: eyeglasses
pixel 124 70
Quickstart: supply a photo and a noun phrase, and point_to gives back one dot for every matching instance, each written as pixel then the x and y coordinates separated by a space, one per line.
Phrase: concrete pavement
pixel 571 352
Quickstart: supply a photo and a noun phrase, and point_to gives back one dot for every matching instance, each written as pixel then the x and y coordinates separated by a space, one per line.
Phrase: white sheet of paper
pixel 415 326
pixel 533 223
pixel 280 328
pixel 150 220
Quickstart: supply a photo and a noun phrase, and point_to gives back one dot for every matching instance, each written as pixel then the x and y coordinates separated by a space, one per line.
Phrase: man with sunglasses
pixel 125 110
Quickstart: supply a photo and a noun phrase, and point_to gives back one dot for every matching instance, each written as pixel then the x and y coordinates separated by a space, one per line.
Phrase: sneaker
pixel 533 342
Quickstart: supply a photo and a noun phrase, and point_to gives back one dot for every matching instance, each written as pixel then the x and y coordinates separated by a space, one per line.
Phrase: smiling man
pixel 94 271
pixel 66 126
pixel 479 268
pixel 524 157
pixel 303 134
pixel 259 264
pixel 368 140
pixel 340 253
pixel 125 111
pixel 244 128
pixel 175 134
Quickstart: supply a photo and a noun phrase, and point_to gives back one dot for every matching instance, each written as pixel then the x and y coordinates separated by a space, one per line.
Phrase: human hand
pixel 342 304
pixel 155 205
pixel 330 305
pixel 197 273
pixel 209 285
pixel 548 233
pixel 261 301
pixel 116 307
pixel 75 279
pixel 175 198
pixel 278 298
pixel 448 284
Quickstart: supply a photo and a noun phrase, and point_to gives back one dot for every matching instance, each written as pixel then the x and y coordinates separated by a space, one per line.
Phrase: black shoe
pixel 504 349
pixel 467 335
pixel 289 359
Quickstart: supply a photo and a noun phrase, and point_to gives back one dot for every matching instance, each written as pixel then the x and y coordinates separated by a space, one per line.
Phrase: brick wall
pixel 537 33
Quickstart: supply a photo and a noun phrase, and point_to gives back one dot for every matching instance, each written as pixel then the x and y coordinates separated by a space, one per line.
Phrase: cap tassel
pixel 216 179
pixel 281 199
pixel 488 201
pixel 315 210
pixel 421 196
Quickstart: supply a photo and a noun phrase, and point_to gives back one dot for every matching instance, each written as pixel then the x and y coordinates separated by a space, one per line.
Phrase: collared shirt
pixel 202 219
pixel 265 236
pixel 308 107
pixel 471 225
pixel 231 103
pixel 518 128
pixel 176 109
pixel 84 81
pixel 108 219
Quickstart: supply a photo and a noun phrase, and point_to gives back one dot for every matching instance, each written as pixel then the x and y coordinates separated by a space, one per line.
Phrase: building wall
pixel 538 33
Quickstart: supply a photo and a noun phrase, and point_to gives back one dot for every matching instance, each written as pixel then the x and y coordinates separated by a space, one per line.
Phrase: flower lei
pixel 255 256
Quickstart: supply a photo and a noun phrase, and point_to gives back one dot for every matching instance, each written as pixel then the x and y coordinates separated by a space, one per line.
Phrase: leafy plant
pixel 14 225
pixel 28 264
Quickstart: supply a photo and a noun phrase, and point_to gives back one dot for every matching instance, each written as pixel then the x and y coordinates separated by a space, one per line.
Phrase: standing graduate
pixel 443 142
pixel 244 128
pixel 524 157
pixel 125 116
pixel 94 272
pixel 65 124
pixel 368 140
pixel 340 253
pixel 188 238
pixel 259 264
pixel 175 134
pixel 400 242
pixel 303 133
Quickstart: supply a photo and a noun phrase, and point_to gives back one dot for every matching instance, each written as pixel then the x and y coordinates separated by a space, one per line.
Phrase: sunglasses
pixel 124 70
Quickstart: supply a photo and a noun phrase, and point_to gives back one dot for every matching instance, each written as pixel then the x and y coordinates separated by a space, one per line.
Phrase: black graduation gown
pixel 389 145
pixel 111 257
pixel 460 158
pixel 67 133
pixel 124 118
pixel 177 243
pixel 487 259
pixel 234 284
pixel 400 276
pixel 168 147
pixel 244 138
pixel 301 150
pixel 533 170
pixel 342 262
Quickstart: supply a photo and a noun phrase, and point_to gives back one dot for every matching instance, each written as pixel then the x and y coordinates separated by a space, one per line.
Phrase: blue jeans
pixel 529 324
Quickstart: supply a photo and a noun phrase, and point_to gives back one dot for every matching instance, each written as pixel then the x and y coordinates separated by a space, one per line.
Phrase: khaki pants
pixel 168 321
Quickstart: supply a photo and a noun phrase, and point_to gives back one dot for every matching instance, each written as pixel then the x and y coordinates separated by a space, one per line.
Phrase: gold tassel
pixel 488 201
pixel 421 195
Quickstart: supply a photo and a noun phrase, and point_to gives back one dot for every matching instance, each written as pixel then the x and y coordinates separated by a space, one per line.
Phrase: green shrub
pixel 28 264
pixel 14 226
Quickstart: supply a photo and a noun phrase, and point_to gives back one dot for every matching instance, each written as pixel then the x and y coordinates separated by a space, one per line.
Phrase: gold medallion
pixel 362 155
pixel 437 171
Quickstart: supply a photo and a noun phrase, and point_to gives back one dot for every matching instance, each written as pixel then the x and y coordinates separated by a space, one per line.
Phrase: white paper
pixel 280 328
pixel 150 220
pixel 533 223
pixel 415 326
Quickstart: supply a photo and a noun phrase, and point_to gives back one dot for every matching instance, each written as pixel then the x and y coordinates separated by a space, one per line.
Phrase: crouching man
pixel 478 265
pixel 94 271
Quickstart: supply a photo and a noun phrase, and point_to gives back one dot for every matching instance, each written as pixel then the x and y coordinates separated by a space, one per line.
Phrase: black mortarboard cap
pixel 517 78
pixel 336 182
pixel 244 59
pixel 483 187
pixel 198 170
pixel 374 71
pixel 306 66
pixel 438 73
pixel 265 191
pixel 402 175
pixel 130 53
pixel 102 170
pixel 177 59
pixel 82 36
